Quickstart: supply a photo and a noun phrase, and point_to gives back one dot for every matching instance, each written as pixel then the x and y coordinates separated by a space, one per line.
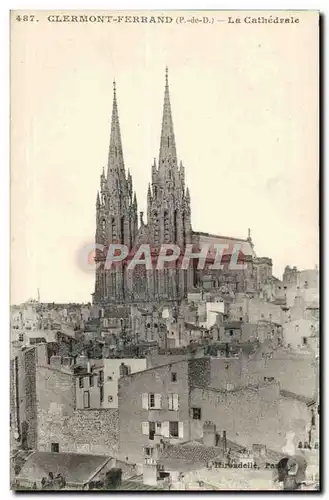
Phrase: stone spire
pixel 115 166
pixel 167 155
pixel 188 196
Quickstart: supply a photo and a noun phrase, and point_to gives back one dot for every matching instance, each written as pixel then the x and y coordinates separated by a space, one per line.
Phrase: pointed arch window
pixel 122 230
pixel 175 227
pixel 166 226
pixel 156 227
pixel 113 229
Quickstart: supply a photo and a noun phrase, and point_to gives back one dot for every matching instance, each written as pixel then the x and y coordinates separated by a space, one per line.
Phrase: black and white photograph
pixel 164 296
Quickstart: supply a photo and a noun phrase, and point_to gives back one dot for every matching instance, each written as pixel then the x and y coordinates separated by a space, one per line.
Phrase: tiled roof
pixel 76 468
pixel 188 455
pixel 194 454
pixel 136 486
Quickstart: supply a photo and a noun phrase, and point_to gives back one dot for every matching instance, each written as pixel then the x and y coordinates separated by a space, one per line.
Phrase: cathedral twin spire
pixel 119 195
pixel 115 166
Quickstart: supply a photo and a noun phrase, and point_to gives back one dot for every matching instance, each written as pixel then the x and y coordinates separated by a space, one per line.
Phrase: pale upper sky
pixel 245 108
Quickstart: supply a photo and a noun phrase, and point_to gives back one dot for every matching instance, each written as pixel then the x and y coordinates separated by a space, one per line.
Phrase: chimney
pixel 209 433
pixel 224 442
pixel 259 450
pixel 150 472
pixel 42 354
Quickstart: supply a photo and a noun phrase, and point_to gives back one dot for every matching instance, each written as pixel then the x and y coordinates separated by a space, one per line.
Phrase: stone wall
pixel 85 431
pixel 249 415
pixel 29 421
pixel 199 372
pixel 75 431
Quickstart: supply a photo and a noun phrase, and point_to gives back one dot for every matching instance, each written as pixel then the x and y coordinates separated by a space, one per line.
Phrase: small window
pixel 196 413
pixel 313 419
pixel 151 401
pixel 109 378
pixel 110 399
pixel 86 399
pixel 173 429
pixel 173 376
pixel 148 451
pixel 91 381
pixel 231 333
pixel 81 382
pixel 101 393
pixel 158 427
pixel 21 337
pixel 55 447
pixel 304 340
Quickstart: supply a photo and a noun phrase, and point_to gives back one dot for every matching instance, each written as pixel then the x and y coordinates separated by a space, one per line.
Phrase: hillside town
pixel 170 378
pixel 164 394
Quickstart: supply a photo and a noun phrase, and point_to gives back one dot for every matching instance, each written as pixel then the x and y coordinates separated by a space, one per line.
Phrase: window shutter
pixel 181 430
pixel 145 401
pixel 165 429
pixel 157 400
pixel 170 402
pixel 145 427
pixel 175 402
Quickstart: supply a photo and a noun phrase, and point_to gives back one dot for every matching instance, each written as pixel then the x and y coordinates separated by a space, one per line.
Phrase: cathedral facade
pixel 168 222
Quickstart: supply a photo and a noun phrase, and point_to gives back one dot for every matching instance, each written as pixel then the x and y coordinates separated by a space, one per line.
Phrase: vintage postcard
pixel 164 250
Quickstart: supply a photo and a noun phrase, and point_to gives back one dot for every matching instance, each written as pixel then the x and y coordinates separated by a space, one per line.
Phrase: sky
pixel 244 101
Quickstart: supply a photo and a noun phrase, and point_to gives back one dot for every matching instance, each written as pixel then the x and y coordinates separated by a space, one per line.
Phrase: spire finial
pixel 167 154
pixel 249 233
pixel 115 166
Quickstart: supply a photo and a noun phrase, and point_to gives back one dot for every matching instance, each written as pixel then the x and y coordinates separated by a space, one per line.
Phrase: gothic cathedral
pixel 168 222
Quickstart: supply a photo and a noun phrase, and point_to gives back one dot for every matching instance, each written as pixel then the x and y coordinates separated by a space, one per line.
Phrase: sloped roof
pixel 246 246
pixel 76 468
pixel 194 455
pixel 136 485
pixel 188 456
